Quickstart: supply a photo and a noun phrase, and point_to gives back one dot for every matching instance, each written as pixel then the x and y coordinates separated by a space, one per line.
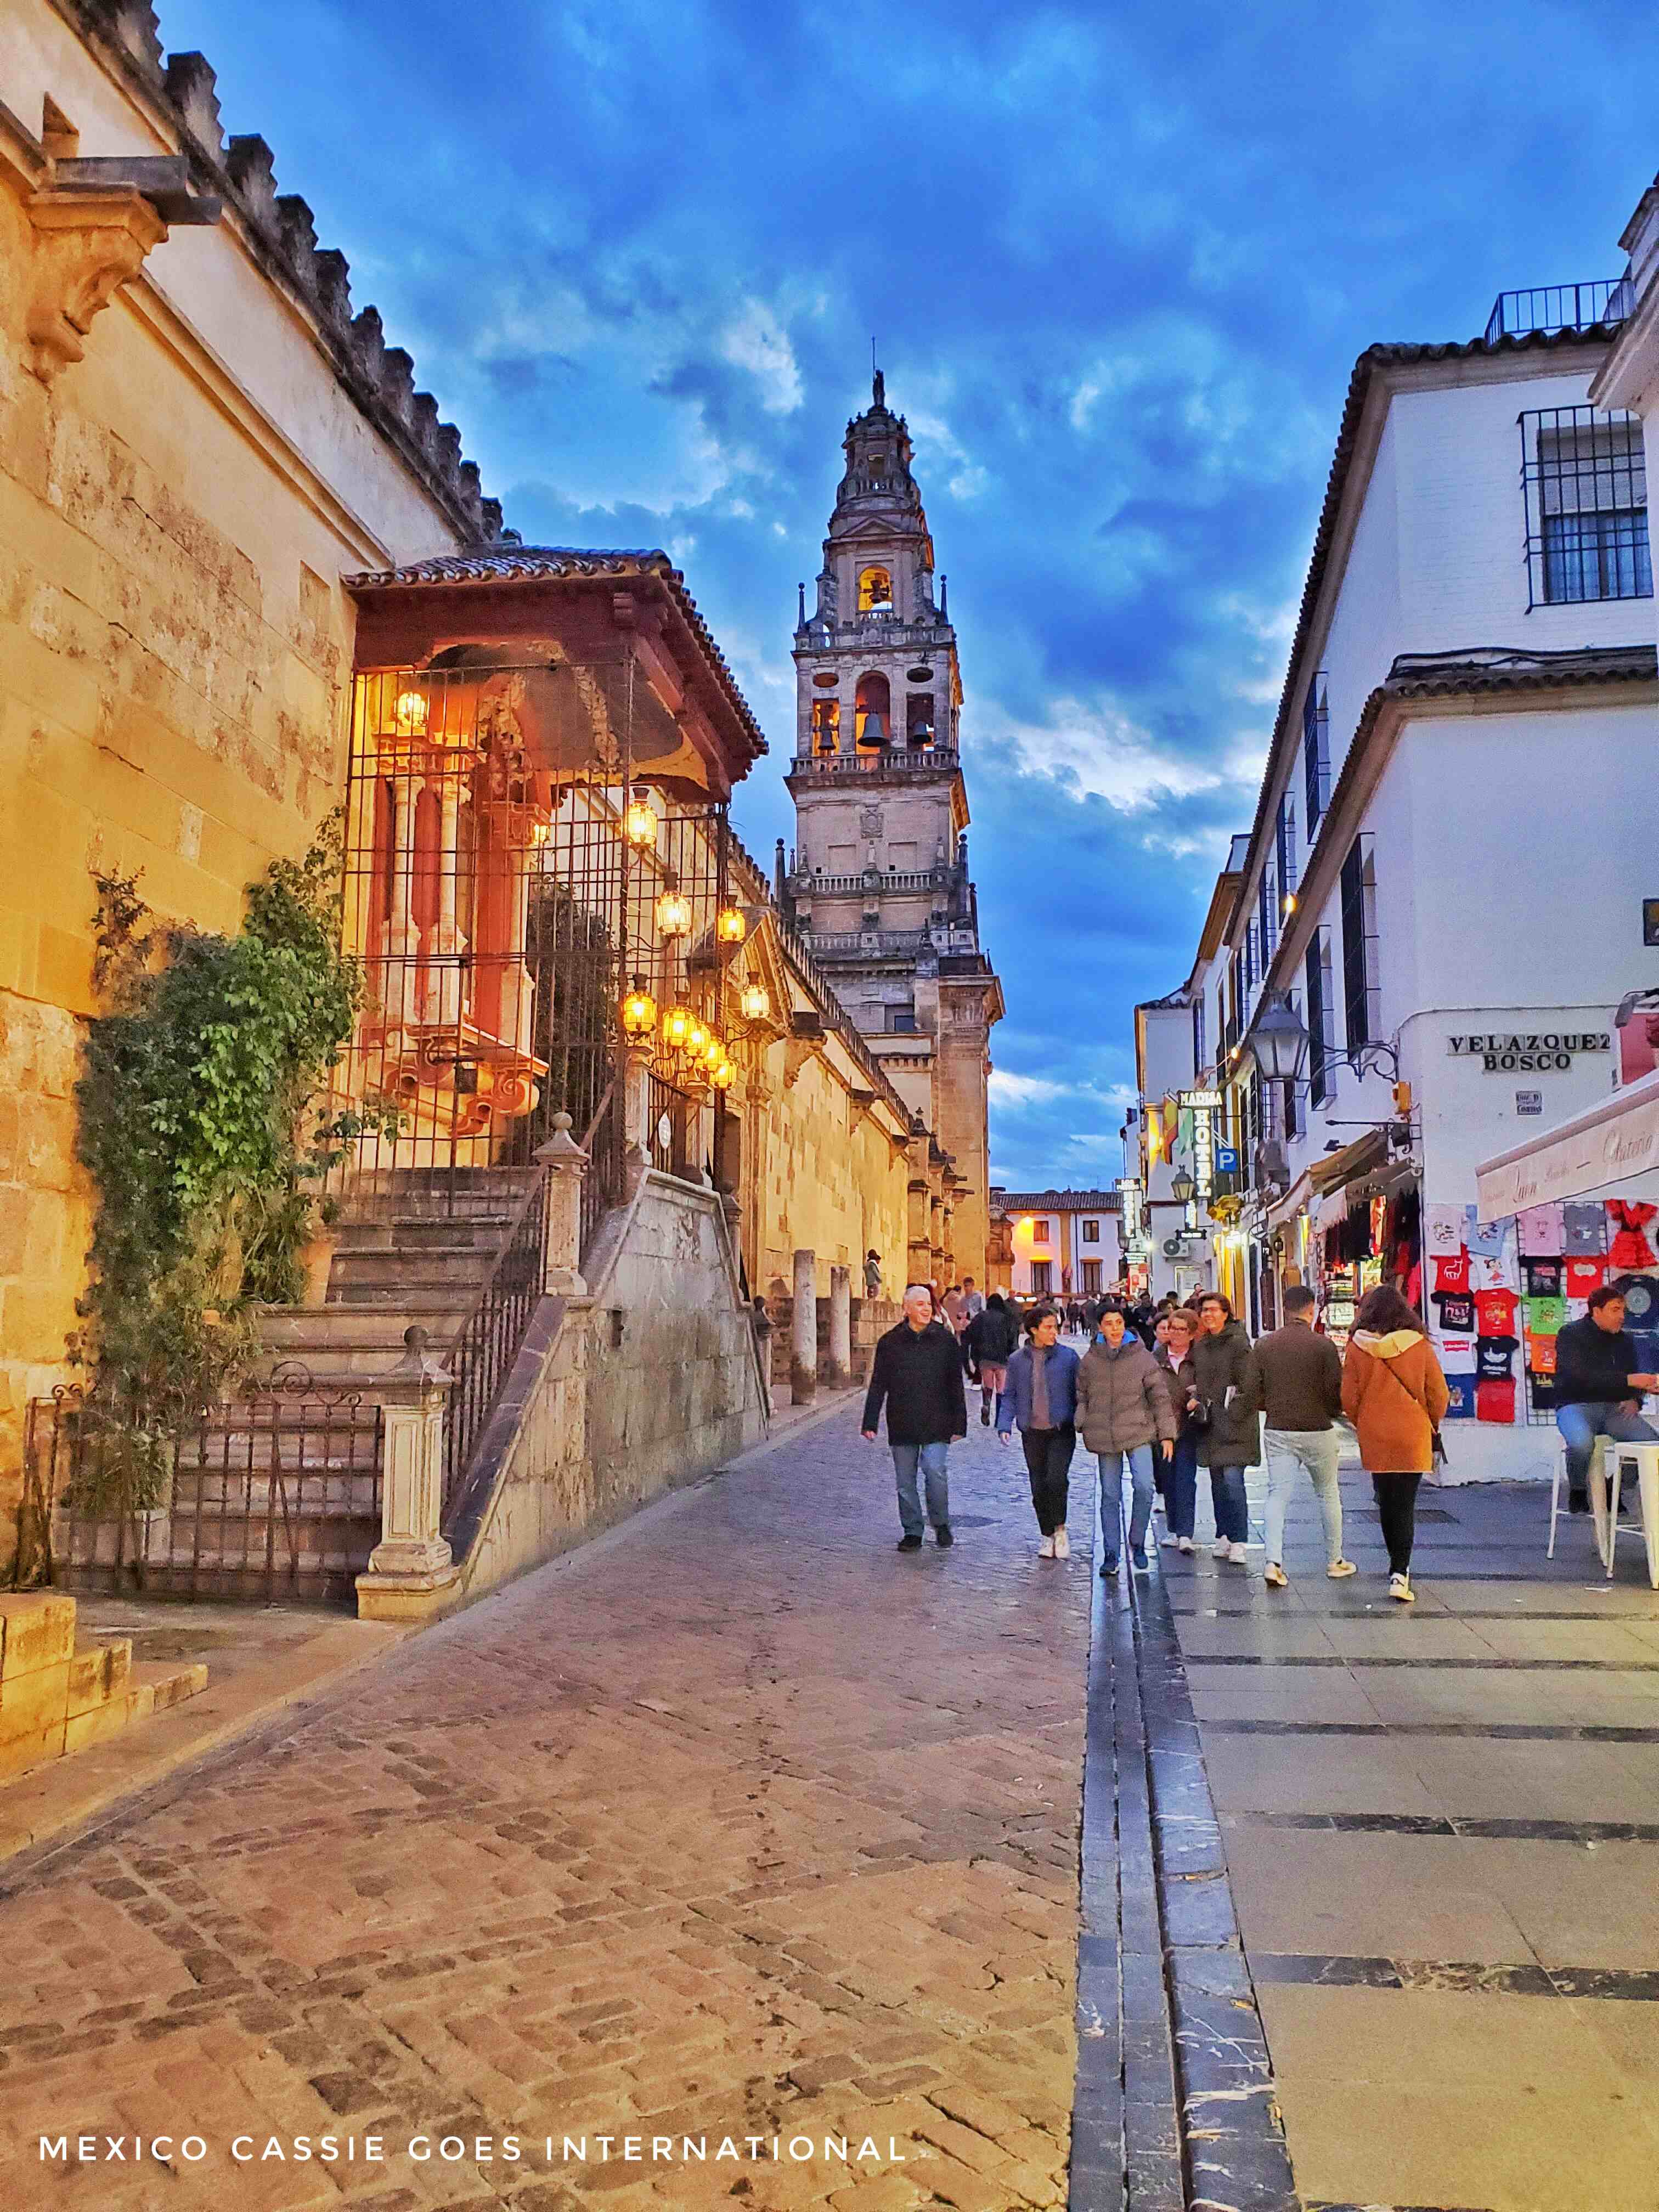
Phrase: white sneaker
pixel 1185 1544
pixel 1399 1587
pixel 1062 1545
pixel 1046 1549
pixel 1174 1543
pixel 1221 1549
pixel 1239 1554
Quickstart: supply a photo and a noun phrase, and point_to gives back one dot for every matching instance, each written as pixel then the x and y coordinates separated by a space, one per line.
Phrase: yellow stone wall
pixel 821 1173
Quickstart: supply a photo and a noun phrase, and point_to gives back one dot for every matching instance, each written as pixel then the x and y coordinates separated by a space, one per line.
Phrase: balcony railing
pixel 896 879
pixel 892 760
pixel 1560 308
pixel 858 943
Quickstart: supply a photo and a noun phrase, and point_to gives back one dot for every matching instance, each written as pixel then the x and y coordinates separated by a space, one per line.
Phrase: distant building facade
pixel 1064 1244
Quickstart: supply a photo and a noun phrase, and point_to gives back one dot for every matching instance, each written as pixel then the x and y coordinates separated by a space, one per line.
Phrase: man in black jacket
pixel 917 1370
pixel 1597 1389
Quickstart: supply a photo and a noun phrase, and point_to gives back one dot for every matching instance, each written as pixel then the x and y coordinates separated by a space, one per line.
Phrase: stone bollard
pixel 565 1164
pixel 413 1575
pixel 841 1326
pixel 637 1137
pixel 804 1334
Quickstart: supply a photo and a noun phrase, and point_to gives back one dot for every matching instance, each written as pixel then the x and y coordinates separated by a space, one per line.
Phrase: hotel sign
pixel 1199 1109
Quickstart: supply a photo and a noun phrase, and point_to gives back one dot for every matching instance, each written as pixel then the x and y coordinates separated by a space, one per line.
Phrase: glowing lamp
pixel 673 914
pixel 713 1054
pixel 639 1011
pixel 724 1076
pixel 411 714
pixel 754 1002
pixel 641 824
pixel 696 1041
pixel 730 925
pixel 677 1025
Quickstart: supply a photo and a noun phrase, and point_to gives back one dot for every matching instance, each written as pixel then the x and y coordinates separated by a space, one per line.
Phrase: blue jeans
pixel 931 1459
pixel 1181 1482
pixel 1111 1498
pixel 1580 1426
pixel 1232 1513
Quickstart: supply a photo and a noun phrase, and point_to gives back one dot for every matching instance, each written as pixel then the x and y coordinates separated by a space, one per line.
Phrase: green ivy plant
pixel 199 1125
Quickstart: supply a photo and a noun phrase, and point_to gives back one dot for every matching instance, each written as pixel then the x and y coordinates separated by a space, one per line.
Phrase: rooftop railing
pixel 1560 308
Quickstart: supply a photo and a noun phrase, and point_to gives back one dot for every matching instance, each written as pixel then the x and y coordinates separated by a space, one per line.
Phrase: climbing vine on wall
pixel 200 1126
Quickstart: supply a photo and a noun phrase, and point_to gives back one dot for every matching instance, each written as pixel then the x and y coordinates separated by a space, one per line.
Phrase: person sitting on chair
pixel 1598 1388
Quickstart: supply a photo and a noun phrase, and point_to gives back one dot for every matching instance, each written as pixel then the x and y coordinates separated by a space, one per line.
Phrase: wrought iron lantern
pixel 411 712
pixel 713 1054
pixel 674 912
pixel 641 823
pixel 677 1027
pixel 1182 1187
pixel 638 1011
pixel 724 1076
pixel 1278 1043
pixel 731 924
pixel 754 1002
pixel 696 1041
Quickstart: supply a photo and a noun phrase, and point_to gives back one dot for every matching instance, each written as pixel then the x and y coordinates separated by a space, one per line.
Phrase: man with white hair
pixel 917 1373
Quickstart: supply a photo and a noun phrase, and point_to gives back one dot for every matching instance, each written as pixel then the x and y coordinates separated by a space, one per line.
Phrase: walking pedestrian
pixel 1301 1374
pixel 1598 1388
pixel 1042 1397
pixel 873 1274
pixel 973 1301
pixel 917 1373
pixel 1180 1475
pixel 1395 1396
pixel 1123 1408
pixel 990 1343
pixel 1226 1390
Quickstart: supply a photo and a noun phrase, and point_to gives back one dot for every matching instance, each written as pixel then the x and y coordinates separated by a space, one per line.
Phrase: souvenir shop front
pixel 1364 1226
pixel 1574 1207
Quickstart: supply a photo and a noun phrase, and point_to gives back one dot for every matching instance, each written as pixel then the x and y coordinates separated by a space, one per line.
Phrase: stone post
pixel 636 1114
pixel 565 1164
pixel 803 1344
pixel 841 1326
pixel 411 1574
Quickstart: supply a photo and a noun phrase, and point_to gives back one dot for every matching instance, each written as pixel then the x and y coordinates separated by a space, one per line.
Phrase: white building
pixel 1445 875
pixel 1064 1243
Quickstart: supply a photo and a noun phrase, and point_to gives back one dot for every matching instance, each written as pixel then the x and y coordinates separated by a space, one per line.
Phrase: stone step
pixel 284 1329
pixel 60 1691
pixel 482 1233
pixel 416 1270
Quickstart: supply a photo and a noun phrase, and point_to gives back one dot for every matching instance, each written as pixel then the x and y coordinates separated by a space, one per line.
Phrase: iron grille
pixel 1316 755
pixel 1559 307
pixel 1585 485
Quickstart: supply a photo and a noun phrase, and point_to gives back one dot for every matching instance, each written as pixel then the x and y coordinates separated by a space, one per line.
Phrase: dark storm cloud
pixel 1120 263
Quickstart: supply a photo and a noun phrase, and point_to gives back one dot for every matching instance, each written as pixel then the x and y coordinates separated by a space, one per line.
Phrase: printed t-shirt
pixel 1443 1231
pixel 1642 1301
pixel 1543 1387
pixel 1542 1231
pixel 1494 1358
pixel 1456 1311
pixel 1542 1278
pixel 1494 1402
pixel 1495 1311
pixel 1460 1395
pixel 1580 1277
pixel 1584 1227
pixel 1489 1274
pixel 1487 1237
pixel 1540 1355
pixel 1545 1317
pixel 1452 1274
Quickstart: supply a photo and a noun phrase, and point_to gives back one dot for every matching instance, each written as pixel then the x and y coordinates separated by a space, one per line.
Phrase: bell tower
pixel 879 883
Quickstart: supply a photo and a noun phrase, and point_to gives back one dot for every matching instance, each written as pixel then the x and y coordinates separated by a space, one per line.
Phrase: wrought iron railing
pixel 1560 308
pixel 601 1186
pixel 274 1493
pixel 483 1351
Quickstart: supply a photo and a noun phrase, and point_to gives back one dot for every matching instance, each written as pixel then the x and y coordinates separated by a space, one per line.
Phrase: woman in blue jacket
pixel 1041 1395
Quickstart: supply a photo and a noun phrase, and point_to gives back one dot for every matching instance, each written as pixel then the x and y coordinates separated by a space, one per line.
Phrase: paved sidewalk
pixel 734 1823
pixel 1441 1829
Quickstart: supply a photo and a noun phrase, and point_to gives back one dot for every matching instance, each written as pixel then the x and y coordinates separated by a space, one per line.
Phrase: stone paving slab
pixel 733 1824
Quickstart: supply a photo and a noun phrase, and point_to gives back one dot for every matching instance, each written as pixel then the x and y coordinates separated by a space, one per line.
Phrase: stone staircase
pixel 59 1693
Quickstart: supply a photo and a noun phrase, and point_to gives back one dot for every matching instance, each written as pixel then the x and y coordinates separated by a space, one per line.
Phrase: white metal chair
pixel 1597 1489
pixel 1638 1464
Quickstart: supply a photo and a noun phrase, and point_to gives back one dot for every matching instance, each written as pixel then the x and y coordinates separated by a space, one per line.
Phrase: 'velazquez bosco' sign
pixel 1499 1055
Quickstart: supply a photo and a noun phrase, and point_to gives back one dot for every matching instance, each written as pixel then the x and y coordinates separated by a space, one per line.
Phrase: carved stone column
pixel 804 1337
pixel 636 1114
pixel 565 1164
pixel 841 1326
pixel 411 1572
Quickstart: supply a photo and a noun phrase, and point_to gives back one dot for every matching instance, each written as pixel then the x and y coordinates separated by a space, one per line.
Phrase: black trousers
pixel 1396 1507
pixel 1048 1461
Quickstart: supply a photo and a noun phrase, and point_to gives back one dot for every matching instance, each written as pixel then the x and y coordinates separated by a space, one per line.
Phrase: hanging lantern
pixel 754 1001
pixel 724 1076
pixel 713 1054
pixel 696 1041
pixel 731 924
pixel 673 913
pixel 676 1028
pixel 639 1011
pixel 641 823
pixel 411 714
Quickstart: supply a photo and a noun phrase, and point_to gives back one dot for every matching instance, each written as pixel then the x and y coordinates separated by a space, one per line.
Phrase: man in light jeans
pixel 1302 1396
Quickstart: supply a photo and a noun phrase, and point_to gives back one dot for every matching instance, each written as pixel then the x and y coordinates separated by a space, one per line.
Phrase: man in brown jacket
pixel 1301 1374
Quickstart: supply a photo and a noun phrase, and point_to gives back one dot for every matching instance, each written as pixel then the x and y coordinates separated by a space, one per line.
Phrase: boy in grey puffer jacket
pixel 1122 1409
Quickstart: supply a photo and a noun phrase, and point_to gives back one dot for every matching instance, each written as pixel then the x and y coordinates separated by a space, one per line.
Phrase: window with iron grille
pixel 1284 841
pixel 1268 917
pixel 1587 506
pixel 1235 1000
pixel 1316 756
pixel 1252 962
pixel 1199 1060
pixel 1321 1043
pixel 1360 992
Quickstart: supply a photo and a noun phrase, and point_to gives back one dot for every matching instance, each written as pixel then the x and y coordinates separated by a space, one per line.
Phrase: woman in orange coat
pixel 1395 1396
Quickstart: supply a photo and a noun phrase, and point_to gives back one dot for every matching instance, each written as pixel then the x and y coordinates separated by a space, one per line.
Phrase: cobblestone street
pixel 733 1824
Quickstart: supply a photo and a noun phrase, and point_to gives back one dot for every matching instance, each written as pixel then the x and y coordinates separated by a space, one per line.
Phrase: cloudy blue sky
pixel 1120 261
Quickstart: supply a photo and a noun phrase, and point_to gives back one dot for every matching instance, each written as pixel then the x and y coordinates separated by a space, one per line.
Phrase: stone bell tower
pixel 879 886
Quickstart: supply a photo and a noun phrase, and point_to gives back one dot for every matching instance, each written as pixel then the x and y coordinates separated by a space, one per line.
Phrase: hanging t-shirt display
pixel 1452 1274
pixel 1541 1231
pixel 1546 1317
pixel 1580 1277
pixel 1483 1236
pixel 1542 1278
pixel 1494 1358
pixel 1443 1231
pixel 1456 1312
pixel 1460 1395
pixel 1494 1402
pixel 1641 1302
pixel 1495 1312
pixel 1630 1248
pixel 1540 1355
pixel 1542 1389
pixel 1584 1227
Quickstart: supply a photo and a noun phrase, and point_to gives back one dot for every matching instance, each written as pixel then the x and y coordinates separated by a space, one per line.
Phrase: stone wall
pixel 643 1386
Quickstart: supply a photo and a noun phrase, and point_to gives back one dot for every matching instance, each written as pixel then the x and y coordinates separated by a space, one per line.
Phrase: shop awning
pixel 1610 1146
pixel 1362 1158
